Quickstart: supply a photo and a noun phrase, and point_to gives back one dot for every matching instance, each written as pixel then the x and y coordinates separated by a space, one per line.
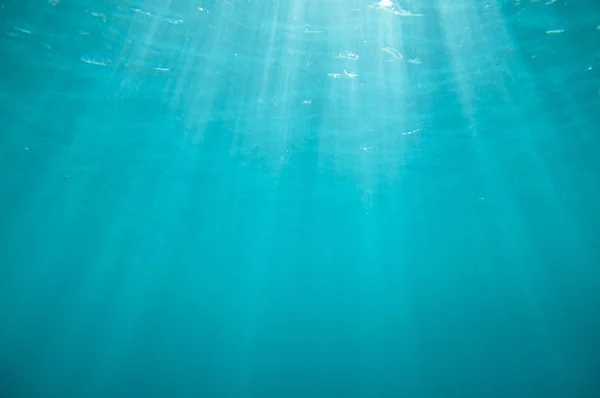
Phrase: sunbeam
pixel 243 198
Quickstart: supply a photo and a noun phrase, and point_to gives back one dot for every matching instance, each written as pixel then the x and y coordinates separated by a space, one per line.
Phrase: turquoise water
pixel 221 198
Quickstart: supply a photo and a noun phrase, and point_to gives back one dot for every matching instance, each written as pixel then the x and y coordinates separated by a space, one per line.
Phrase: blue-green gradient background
pixel 203 199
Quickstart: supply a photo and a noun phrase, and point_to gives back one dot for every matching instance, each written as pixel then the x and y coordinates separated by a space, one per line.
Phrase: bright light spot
pixel 99 15
pixel 393 52
pixel 347 55
pixel 349 74
pixel 311 31
pixel 389 6
pixel 23 30
pixel 95 61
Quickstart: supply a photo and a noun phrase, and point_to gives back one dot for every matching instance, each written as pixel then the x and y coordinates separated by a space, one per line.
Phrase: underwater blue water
pixel 243 198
